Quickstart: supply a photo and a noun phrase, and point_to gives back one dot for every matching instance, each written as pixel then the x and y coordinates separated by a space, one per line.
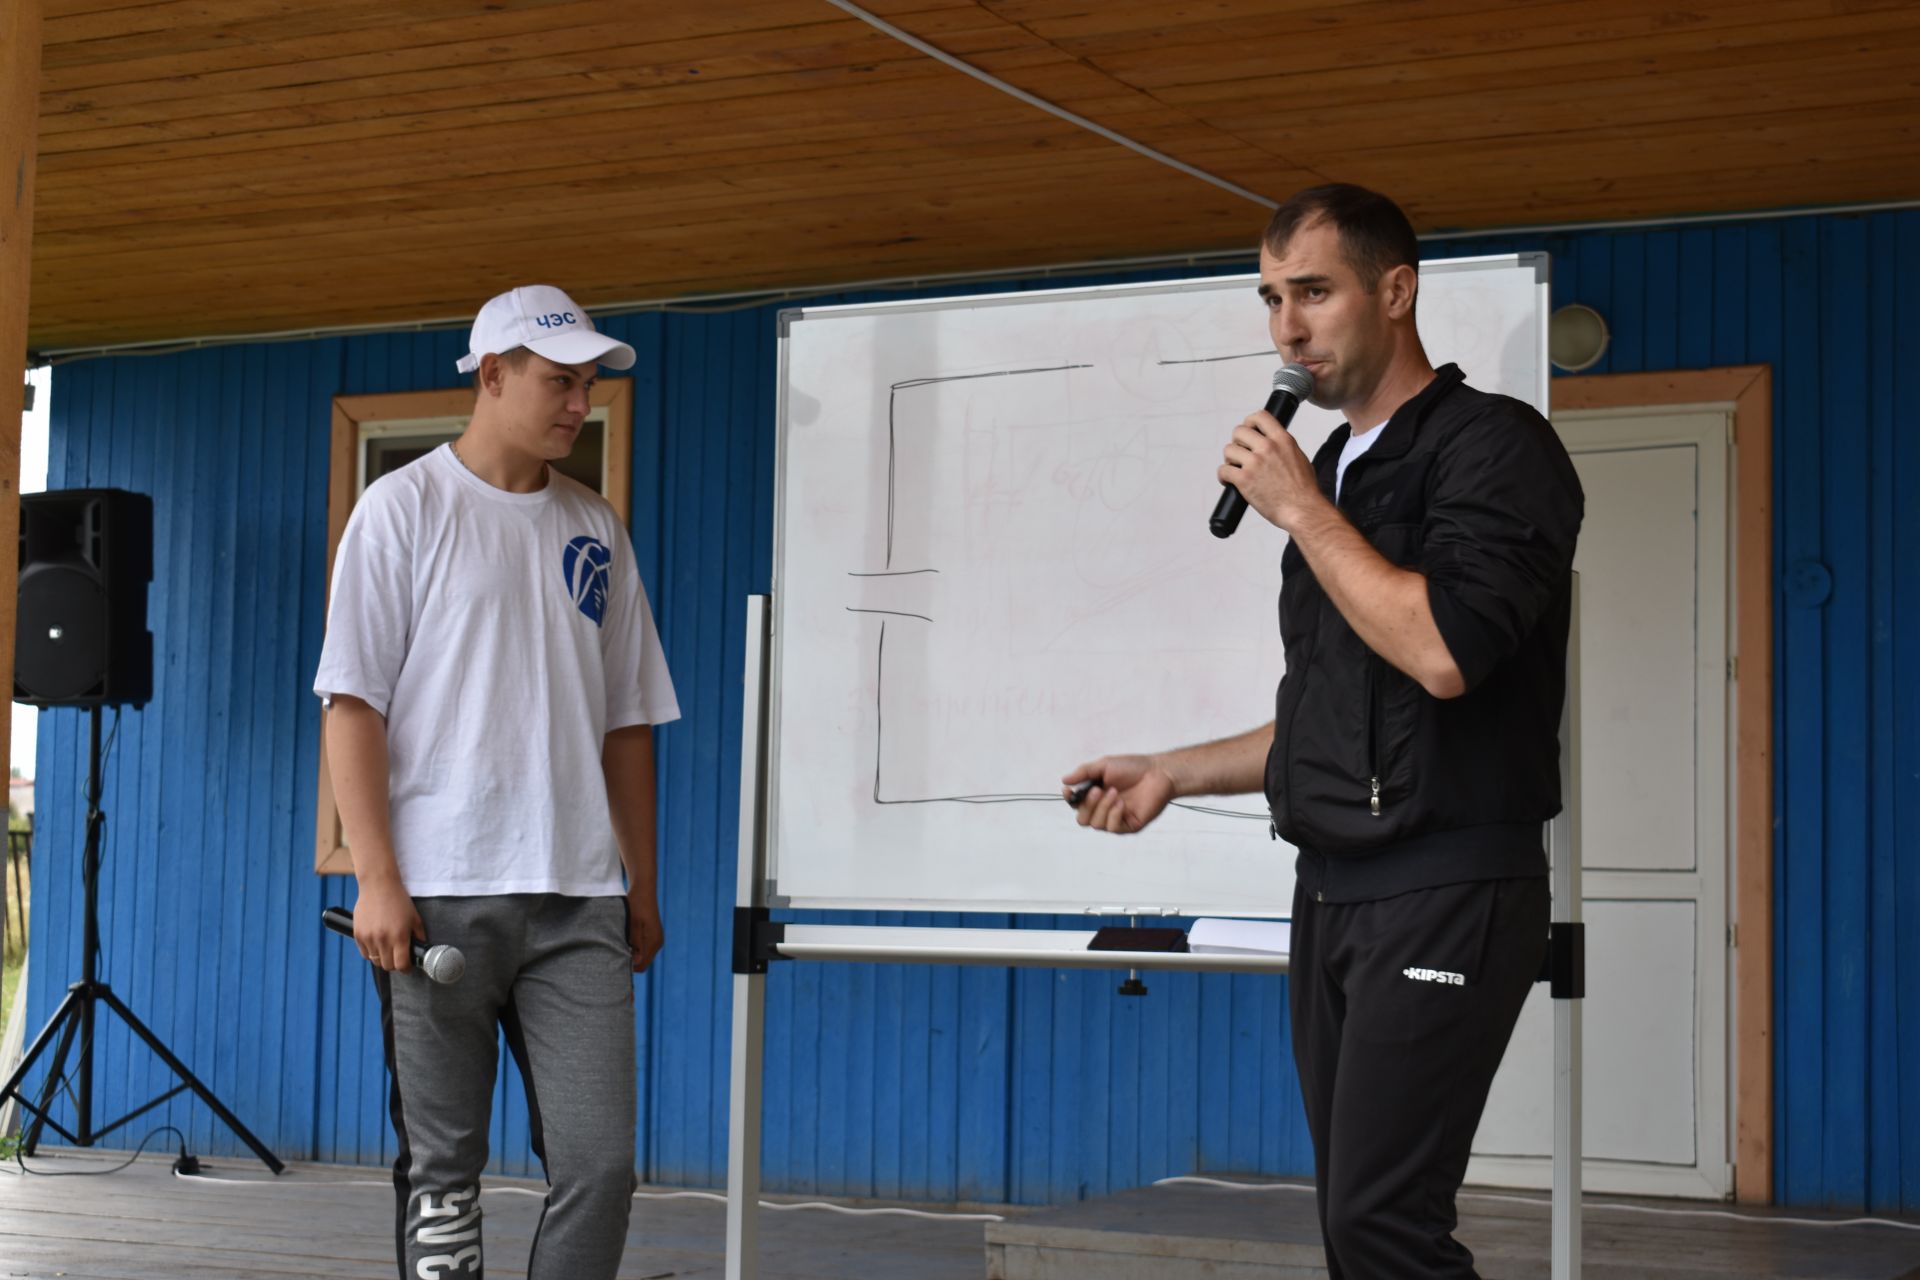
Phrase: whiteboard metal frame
pixel 1538 261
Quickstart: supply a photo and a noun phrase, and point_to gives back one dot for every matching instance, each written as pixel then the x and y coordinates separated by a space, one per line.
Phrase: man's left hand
pixel 644 933
pixel 1266 464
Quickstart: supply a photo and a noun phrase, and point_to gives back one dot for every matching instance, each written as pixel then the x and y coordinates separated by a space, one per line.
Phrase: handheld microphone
pixel 443 964
pixel 1292 383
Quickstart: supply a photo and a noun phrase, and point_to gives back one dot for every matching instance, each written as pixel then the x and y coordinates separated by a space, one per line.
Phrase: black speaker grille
pixel 80 635
pixel 62 653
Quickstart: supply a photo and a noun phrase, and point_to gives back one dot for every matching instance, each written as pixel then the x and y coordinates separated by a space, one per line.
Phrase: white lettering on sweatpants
pixel 1435 975
pixel 450 1221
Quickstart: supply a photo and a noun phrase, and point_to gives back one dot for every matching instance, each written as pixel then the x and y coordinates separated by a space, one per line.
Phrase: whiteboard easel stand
pixel 1567 970
pixel 757 940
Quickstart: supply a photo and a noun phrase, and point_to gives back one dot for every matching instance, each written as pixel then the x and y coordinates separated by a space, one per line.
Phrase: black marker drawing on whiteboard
pixel 1036 797
pixel 1243 355
pixel 893 395
pixel 1031 797
pixel 891 613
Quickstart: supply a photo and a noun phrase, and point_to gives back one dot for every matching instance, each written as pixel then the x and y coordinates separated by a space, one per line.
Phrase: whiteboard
pixel 992 563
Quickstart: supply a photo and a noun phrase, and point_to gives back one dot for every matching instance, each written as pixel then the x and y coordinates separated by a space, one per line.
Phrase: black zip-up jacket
pixel 1381 786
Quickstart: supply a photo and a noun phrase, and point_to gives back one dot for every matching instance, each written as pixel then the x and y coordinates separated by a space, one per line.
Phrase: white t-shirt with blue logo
pixel 503 635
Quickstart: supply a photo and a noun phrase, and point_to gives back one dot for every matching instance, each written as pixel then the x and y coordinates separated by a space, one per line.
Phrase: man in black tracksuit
pixel 1414 754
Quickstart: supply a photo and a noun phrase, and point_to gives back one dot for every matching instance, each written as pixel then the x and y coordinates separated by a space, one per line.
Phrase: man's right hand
pixel 385 924
pixel 1128 792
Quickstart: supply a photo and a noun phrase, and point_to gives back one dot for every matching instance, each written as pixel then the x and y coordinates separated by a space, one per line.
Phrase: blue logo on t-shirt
pixel 584 563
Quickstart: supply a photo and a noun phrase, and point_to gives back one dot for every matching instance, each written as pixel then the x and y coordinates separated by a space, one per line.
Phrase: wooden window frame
pixel 615 395
pixel 1748 389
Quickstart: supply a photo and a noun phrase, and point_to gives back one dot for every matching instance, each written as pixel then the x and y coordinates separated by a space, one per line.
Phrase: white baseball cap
pixel 544 320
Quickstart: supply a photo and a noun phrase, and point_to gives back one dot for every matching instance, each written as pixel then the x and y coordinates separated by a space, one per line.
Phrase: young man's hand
pixel 385 924
pixel 644 932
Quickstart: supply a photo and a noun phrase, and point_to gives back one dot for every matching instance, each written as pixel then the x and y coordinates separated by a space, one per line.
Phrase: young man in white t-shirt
pixel 491 672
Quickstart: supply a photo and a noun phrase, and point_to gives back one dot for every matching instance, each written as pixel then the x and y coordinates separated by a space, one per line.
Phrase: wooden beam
pixel 20 27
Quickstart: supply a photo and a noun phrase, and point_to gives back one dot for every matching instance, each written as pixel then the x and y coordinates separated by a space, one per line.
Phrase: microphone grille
pixel 1295 379
pixel 444 964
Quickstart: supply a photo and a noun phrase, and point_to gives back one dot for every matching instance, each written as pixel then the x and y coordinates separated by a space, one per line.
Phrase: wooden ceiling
pixel 241 166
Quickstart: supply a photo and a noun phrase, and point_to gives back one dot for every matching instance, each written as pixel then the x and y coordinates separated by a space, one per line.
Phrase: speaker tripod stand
pixel 77 1015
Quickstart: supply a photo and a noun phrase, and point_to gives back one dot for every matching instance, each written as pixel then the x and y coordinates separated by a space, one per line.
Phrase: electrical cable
pixel 1612 1205
pixel 715 1196
pixel 184 1159
pixel 1079 121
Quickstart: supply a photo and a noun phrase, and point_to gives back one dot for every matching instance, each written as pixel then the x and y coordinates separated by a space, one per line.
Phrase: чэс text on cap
pixel 546 321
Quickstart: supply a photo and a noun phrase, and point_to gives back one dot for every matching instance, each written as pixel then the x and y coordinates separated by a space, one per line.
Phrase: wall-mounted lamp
pixel 1576 337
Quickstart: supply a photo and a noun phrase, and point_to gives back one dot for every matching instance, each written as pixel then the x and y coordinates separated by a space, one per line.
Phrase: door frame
pixel 1746 390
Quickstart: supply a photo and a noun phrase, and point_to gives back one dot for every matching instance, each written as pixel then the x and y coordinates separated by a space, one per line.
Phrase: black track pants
pixel 1402 1008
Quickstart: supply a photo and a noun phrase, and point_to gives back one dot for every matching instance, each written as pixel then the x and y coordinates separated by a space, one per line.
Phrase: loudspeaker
pixel 80 632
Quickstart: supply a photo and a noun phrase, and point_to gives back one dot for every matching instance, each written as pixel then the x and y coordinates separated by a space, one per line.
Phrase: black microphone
pixel 1292 383
pixel 443 964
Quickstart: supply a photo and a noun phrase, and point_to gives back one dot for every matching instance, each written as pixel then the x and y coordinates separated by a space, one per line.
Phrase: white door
pixel 1654 657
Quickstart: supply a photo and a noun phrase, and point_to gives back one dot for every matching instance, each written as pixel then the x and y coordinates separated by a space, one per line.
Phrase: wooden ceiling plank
pixel 483 101
pixel 907 169
pixel 171 16
pixel 1572 26
pixel 1302 34
pixel 635 203
pixel 1234 77
pixel 473 178
pixel 697 258
pixel 708 58
pixel 1135 19
pixel 807 70
pixel 1571 69
pixel 510 217
pixel 670 252
pixel 1732 96
pixel 261 37
pixel 500 35
pixel 1623 159
pixel 74 8
pixel 414 72
pixel 681 123
pixel 149 148
pixel 97 207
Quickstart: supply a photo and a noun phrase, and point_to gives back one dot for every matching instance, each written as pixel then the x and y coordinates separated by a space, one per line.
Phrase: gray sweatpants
pixel 556 975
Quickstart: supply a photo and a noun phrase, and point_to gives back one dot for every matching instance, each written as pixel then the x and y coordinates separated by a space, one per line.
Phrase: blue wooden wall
pixel 942 1083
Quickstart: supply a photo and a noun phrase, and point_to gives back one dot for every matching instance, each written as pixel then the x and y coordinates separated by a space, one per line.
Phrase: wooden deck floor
pixel 325 1220
pixel 1186 1231
pixel 142 1223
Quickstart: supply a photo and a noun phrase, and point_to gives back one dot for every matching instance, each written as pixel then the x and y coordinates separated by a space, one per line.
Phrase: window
pixel 373 435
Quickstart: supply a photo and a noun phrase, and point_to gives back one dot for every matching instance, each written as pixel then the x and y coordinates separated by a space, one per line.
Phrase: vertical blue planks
pixel 1845 474
pixel 1880 947
pixel 1901 1129
pixel 940 1083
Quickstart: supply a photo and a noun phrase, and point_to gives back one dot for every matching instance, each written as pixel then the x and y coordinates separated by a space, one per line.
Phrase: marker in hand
pixel 1078 791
